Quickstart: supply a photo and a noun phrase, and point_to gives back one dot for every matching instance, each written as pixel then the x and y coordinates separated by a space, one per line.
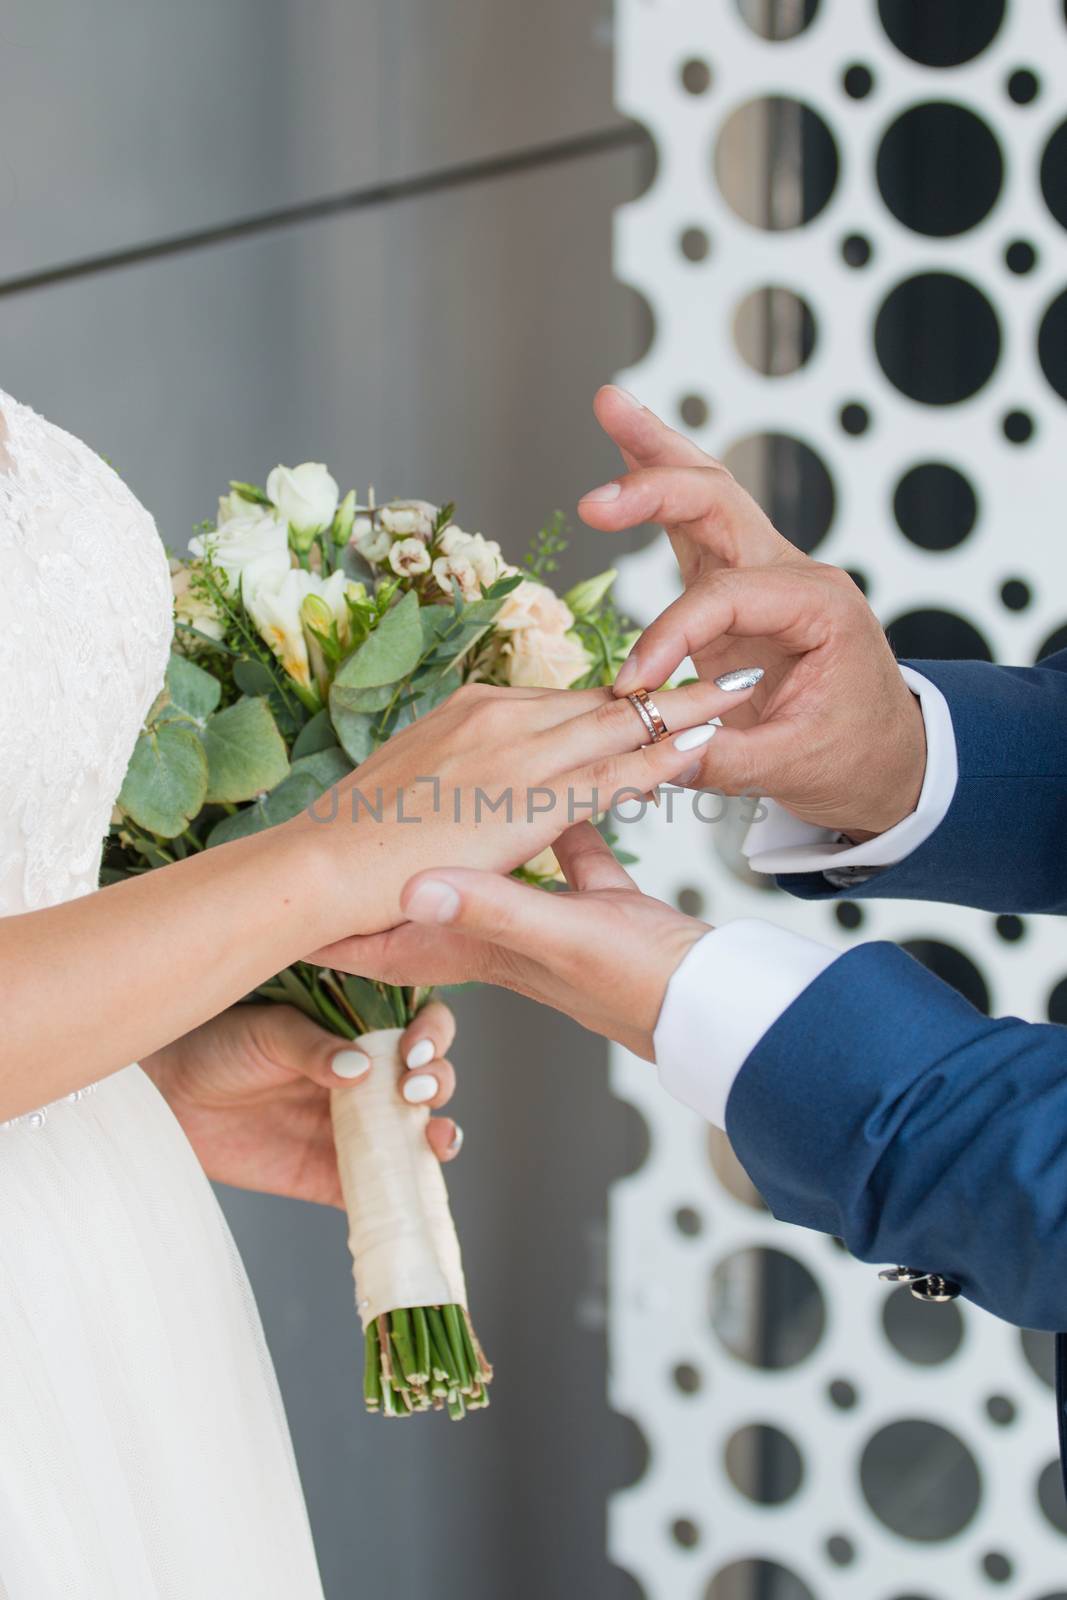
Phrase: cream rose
pixel 532 605
pixel 256 537
pixel 409 557
pixel 306 496
pixel 189 606
pixel 539 660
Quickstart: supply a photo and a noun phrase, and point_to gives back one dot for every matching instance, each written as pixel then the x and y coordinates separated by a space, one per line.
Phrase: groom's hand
pixel 832 732
pixel 603 954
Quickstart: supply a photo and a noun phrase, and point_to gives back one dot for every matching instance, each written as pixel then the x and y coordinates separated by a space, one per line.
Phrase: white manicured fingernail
pixel 606 491
pixel 457 1141
pixel 417 1091
pixel 350 1064
pixel 693 738
pixel 420 1055
pixel 433 902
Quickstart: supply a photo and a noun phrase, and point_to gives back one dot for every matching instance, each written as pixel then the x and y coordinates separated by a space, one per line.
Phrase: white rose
pixel 274 604
pixel 406 518
pixel 306 496
pixel 409 557
pixel 191 607
pixel 234 505
pixel 533 605
pixel 371 542
pixel 538 660
pixel 257 536
pixel 449 570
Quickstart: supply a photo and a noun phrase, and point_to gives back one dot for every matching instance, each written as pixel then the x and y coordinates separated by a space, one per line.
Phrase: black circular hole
pixel 855 418
pixel 754 1575
pixel 1015 594
pixel 694 244
pixel 764 1464
pixel 691 901
pixel 938 636
pixel 687 1378
pixel 860 579
pixel 772 123
pixel 856 249
pixel 778 1326
pixel 1052 344
pixel 1010 928
pixel 955 969
pixel 1024 86
pixel 857 81
pixel 943 35
pixel 1050 1496
pixel 916 1333
pixel 1039 1348
pixel 841 1551
pixel 1020 257
pixel 790 481
pixel 848 915
pixel 1054 174
pixel 1001 1410
pixel 696 76
pixel 1056 641
pixel 939 169
pixel 777 22
pixel 937 338
pixel 685 1533
pixel 693 410
pixel 935 506
pixel 842 1394
pixel 1057 1004
pixel 688 1221
pixel 916 1451
pixel 1018 427
pixel 774 331
pixel 996 1566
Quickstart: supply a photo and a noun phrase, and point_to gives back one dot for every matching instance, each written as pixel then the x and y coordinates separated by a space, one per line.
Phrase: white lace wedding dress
pixel 144 1453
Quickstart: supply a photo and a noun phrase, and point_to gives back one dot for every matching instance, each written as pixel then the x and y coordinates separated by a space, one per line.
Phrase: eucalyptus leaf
pixel 252 677
pixel 193 692
pixel 355 729
pixel 166 780
pixel 315 735
pixel 390 653
pixel 245 752
pixel 309 778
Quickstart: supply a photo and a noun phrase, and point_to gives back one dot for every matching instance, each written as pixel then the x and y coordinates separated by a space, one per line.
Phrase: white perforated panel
pixel 683 1525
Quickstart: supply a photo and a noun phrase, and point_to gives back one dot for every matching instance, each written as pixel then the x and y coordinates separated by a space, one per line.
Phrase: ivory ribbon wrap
pixel 400 1229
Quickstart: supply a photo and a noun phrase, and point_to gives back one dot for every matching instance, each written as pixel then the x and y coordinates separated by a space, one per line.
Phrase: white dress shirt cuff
pixel 781 843
pixel 729 990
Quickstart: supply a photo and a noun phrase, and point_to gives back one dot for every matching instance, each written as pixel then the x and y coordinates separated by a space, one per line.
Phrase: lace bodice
pixel 85 626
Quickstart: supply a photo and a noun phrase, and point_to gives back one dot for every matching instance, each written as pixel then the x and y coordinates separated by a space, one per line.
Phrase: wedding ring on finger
pixel 649 713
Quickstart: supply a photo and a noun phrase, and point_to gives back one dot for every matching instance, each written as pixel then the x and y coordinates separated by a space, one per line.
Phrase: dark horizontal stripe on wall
pixel 463 173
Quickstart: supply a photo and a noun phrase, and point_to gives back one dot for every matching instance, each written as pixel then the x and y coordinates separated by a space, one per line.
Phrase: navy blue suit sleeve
pixel 884 1109
pixel 1003 844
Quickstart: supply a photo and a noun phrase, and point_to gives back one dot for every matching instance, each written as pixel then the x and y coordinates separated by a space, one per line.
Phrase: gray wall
pixel 446 344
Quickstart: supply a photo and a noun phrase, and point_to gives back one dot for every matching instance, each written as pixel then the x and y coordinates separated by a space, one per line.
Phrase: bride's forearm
pixel 91 985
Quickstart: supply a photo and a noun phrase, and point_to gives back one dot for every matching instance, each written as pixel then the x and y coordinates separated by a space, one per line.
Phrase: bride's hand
pixel 487 781
pixel 603 954
pixel 251 1090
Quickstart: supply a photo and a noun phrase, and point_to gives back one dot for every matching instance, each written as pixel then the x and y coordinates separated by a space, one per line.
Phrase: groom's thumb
pixel 489 907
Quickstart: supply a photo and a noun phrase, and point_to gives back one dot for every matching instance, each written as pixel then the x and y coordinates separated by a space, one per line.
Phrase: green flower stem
pixel 422 1358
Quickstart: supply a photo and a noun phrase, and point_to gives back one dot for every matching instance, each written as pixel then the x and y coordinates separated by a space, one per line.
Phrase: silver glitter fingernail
pixel 743 678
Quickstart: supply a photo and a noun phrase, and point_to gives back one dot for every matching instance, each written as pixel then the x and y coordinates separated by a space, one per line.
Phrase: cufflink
pixel 930 1286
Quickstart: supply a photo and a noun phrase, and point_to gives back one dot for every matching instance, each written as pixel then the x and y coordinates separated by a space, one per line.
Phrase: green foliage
pixel 250 492
pixel 308 779
pixel 246 754
pixel 546 546
pixel 193 692
pixel 166 781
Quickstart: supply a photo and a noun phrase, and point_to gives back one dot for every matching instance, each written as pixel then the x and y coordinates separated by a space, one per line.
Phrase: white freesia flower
pixel 370 541
pixel 545 865
pixel 306 496
pixel 538 660
pixel 191 607
pixel 409 557
pixel 533 605
pixel 407 518
pixel 457 570
pixel 255 536
pixel 274 606
pixel 234 505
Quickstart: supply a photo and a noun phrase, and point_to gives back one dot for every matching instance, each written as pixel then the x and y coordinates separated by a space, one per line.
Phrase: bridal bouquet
pixel 309 629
